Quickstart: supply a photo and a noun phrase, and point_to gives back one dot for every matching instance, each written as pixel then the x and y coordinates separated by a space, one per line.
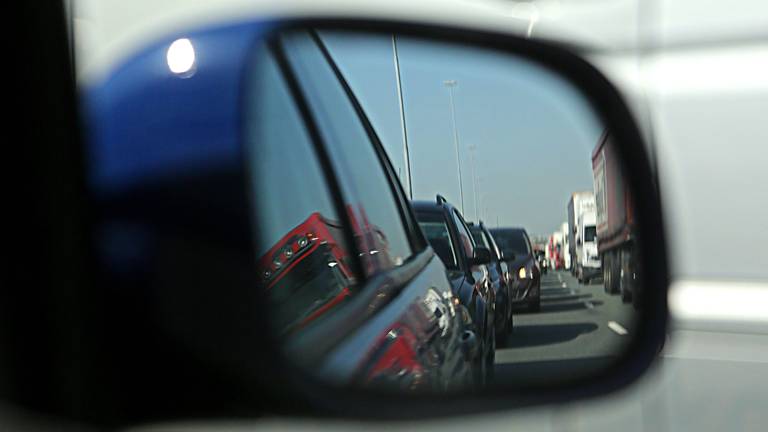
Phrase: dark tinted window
pixel 492 245
pixel 465 238
pixel 377 222
pixel 477 235
pixel 436 230
pixel 512 242
pixel 305 264
pixel 590 233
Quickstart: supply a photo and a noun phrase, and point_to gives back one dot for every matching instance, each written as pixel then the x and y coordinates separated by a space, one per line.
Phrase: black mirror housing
pixel 274 384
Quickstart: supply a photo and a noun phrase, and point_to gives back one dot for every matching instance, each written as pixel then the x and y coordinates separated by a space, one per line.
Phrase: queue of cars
pixel 492 271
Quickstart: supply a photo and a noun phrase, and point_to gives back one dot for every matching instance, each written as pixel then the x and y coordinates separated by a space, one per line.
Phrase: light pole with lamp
pixel 472 149
pixel 451 84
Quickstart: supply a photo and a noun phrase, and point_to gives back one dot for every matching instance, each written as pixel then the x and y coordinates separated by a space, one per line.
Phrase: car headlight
pixel 522 273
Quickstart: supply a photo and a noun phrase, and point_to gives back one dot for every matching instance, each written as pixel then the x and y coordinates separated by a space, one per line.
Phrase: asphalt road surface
pixel 579 329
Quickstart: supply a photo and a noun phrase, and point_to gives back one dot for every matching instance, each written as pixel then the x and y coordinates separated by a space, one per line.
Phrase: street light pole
pixel 406 152
pixel 451 84
pixel 472 149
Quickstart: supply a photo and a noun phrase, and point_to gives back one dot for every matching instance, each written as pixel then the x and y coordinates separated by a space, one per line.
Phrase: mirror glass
pixel 380 164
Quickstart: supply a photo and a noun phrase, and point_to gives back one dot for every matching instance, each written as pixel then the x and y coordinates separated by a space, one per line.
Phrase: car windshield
pixel 590 233
pixel 511 242
pixel 436 231
pixel 308 288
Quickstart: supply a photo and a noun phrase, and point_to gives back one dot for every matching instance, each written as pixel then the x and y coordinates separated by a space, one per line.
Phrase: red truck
pixel 307 259
pixel 615 210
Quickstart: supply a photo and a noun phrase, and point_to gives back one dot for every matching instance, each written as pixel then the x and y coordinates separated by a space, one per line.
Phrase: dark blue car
pixel 525 281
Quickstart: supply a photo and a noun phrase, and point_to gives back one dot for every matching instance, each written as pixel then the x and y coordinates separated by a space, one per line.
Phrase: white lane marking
pixel 613 325
pixel 559 278
pixel 589 305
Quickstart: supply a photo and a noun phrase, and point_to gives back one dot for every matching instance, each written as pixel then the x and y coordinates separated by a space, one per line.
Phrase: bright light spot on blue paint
pixel 181 56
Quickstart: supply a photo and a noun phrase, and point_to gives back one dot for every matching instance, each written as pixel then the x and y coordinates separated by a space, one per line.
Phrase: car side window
pixel 377 219
pixel 305 264
pixel 439 237
pixel 465 238
pixel 491 242
pixel 478 236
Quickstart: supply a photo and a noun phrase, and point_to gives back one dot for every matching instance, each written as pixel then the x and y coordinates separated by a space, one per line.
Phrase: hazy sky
pixel 533 133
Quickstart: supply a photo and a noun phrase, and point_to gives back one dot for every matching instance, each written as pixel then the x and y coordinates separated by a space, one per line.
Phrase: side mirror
pixel 321 307
pixel 482 256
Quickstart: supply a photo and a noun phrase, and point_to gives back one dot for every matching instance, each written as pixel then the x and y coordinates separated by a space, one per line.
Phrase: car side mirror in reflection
pixel 262 206
pixel 481 256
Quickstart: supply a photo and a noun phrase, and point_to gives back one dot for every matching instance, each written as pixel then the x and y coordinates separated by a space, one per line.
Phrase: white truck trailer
pixel 582 219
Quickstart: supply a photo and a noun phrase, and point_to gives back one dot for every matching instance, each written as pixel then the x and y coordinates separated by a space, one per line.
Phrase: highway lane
pixel 579 328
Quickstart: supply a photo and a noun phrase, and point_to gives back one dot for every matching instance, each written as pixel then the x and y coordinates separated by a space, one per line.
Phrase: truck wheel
pixel 636 301
pixel 612 285
pixel 626 294
pixel 626 284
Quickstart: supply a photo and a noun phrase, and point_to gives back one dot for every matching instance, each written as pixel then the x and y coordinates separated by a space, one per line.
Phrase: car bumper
pixel 524 290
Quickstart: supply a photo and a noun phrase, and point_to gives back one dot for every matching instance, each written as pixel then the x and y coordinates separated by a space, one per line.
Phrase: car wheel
pixel 478 372
pixel 534 305
pixel 503 329
pixel 491 359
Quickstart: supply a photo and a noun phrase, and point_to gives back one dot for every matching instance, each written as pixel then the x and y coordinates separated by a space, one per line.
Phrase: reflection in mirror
pixel 435 217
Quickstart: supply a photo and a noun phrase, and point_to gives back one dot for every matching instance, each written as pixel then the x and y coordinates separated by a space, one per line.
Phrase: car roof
pixel 509 230
pixel 430 206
